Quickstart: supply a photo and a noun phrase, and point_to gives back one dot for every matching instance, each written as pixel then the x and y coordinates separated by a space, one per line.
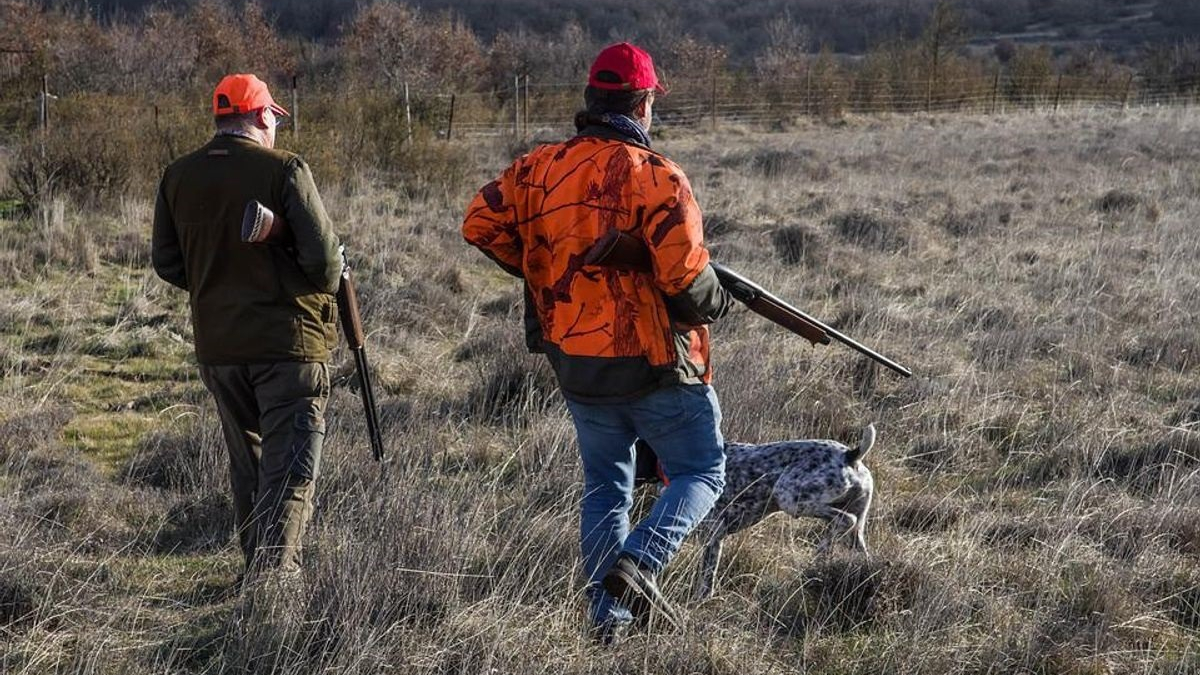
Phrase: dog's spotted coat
pixel 820 478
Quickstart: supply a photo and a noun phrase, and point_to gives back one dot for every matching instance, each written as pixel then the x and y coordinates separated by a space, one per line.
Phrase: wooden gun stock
pixel 347 299
pixel 761 302
pixel 619 251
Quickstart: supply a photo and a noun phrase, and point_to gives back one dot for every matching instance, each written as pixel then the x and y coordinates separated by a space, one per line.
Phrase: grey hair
pixel 237 121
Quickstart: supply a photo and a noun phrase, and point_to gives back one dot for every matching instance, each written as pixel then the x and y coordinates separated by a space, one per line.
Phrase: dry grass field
pixel 1038 504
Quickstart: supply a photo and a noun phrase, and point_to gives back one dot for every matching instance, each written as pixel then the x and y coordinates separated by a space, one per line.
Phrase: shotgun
pixel 260 225
pixel 622 251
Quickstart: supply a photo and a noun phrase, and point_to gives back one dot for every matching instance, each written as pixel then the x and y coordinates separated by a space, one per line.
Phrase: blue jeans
pixel 683 425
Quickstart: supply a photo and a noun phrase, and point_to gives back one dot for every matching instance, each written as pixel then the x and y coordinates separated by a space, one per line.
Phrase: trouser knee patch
pixel 308 435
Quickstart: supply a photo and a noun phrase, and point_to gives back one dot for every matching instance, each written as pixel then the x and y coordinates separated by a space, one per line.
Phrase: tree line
pixel 391 75
pixel 846 26
pixel 121 46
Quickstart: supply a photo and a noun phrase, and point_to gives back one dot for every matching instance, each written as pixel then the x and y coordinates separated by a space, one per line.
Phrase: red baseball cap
pixel 624 67
pixel 242 93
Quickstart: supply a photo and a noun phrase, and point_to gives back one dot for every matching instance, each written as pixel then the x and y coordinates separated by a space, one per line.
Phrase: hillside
pixel 847 26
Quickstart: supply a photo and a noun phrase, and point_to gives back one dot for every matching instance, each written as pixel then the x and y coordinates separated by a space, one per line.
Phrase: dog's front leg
pixel 713 533
pixel 826 541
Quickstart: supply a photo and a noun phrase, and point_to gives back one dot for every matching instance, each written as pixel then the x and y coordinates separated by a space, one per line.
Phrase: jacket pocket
pixel 329 318
pixel 308 436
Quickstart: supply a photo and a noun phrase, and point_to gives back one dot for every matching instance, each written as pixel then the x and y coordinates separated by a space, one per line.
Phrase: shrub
pixel 511 391
pixel 848 594
pixel 1118 201
pixel 96 156
pixel 796 244
pixel 869 230
pixel 24 434
pixel 20 597
pixel 197 525
pixel 184 460
pixel 927 514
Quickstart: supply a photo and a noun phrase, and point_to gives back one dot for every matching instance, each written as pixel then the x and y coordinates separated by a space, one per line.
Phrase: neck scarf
pixel 627 128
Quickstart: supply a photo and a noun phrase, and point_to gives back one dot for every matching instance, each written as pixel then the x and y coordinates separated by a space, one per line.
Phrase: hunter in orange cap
pixel 263 316
pixel 242 106
pixel 243 93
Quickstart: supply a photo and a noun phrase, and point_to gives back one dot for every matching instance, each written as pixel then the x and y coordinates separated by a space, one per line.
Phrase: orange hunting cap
pixel 242 93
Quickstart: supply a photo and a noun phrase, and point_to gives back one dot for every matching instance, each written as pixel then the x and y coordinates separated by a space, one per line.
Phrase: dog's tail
pixel 864 445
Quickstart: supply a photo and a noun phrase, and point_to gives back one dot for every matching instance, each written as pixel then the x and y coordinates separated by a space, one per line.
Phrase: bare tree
pixel 945 33
pixel 786 50
pixel 392 44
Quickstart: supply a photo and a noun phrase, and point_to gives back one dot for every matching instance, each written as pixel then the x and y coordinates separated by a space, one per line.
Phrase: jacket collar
pixel 227 138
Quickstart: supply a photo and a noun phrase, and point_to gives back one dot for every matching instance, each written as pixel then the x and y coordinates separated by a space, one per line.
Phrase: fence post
pixel 929 95
pixel 295 110
pixel 450 121
pixel 516 105
pixel 1058 92
pixel 808 106
pixel 44 105
pixel 1128 87
pixel 407 115
pixel 44 114
pixel 713 99
pixel 525 99
pixel 995 90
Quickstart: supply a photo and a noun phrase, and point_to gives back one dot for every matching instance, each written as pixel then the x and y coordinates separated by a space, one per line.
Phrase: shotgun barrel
pixel 622 251
pixel 356 340
pixel 751 294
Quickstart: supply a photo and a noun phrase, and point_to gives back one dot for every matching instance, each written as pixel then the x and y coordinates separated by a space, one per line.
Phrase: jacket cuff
pixel 702 302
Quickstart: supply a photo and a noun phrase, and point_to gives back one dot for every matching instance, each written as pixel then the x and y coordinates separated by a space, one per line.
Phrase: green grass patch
pixel 105 385
pixel 11 208
pixel 174 579
pixel 109 438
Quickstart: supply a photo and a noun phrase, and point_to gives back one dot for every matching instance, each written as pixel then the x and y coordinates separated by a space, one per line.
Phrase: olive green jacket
pixel 251 303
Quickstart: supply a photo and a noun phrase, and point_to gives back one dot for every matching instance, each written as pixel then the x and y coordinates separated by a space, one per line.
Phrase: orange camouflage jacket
pixel 609 334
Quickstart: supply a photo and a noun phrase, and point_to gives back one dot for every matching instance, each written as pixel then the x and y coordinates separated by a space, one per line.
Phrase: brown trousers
pixel 273 417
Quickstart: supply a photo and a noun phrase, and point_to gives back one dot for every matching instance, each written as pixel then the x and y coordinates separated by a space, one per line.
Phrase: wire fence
pixel 770 103
pixel 531 108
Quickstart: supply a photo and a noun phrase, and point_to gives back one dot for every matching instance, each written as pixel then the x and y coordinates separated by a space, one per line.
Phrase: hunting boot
pixel 609 633
pixel 634 587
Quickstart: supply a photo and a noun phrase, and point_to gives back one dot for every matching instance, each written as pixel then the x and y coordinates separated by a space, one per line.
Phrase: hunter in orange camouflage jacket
pixel 609 334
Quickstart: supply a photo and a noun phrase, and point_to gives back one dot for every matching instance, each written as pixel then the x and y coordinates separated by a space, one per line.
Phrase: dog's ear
pixel 865 443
